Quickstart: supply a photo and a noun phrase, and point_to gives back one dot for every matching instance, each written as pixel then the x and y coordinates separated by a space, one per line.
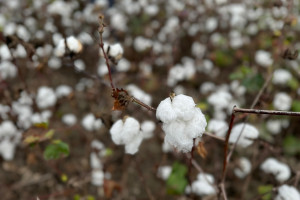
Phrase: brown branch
pixel 101 44
pixel 267 112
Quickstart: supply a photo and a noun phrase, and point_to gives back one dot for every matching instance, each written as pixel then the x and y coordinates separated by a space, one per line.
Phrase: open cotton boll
pixel 7 149
pixel 198 50
pixel 69 119
pixel 7 129
pixel 247 135
pixel 219 127
pixel 203 185
pixel 280 170
pixel 263 58
pixel 141 44
pixel 281 76
pixel 282 101
pixel 182 121
pixel 220 99
pixel 127 132
pixel 95 162
pixel 90 123
pixel 286 192
pixel 7 70
pixel 97 177
pixel 73 44
pixel 4 110
pixel 164 172
pixel 243 169
pixel 96 144
pixel 147 128
pixel 79 65
pixel 123 65
pixel 45 97
pixel 4 52
pixel 274 126
pixel 20 51
pixel 63 91
pixel 118 21
pixel 54 63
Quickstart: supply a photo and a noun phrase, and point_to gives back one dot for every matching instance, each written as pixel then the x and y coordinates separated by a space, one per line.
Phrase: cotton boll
pixel 63 91
pixel 96 144
pixel 7 70
pixel 4 52
pixel 45 97
pixel 9 29
pixel 74 44
pixel 203 185
pixel 118 21
pixel 176 73
pixel 79 65
pixel 280 170
pixel 133 146
pixel 274 126
pixel 282 101
pixel 95 162
pixel 286 192
pixel 97 177
pixel 207 87
pixel 7 149
pixel 151 10
pixel 4 109
pixel 85 38
pixel 20 52
pixel 141 44
pixel 281 76
pixel 198 50
pixel 123 65
pixel 183 106
pixel 116 51
pixel 90 123
pixel 220 99
pixel 54 63
pixel 211 24
pixel 165 112
pixel 219 127
pixel 69 119
pixel 196 126
pixel 147 128
pixel 263 58
pixel 247 135
pixel 164 172
pixel 23 33
pixel 243 169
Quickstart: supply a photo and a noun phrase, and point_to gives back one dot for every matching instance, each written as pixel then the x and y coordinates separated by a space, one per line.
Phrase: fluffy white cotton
pixel 141 44
pixel 54 63
pixel 79 65
pixel 164 172
pixel 248 134
pixel 69 119
pixel 198 50
pixel 274 126
pixel 4 110
pixel 96 144
pixel 219 127
pixel 181 72
pixel 182 121
pixel 123 65
pixel 114 51
pixel 97 177
pixel 20 51
pixel 63 91
pixel 127 132
pixel 73 44
pixel 166 147
pixel 95 161
pixel 281 76
pixel 211 24
pixel 139 94
pixel 91 123
pixel 203 186
pixel 282 101
pixel 220 99
pixel 263 58
pixel 7 149
pixel 243 168
pixel 4 52
pixel 280 170
pixel 7 70
pixel 147 128
pixel 286 192
pixel 45 97
pixel 41 117
pixel 118 21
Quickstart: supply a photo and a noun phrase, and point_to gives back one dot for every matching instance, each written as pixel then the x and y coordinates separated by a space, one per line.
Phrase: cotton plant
pixel 182 121
pixel 282 101
pixel 280 170
pixel 73 44
pixel 45 97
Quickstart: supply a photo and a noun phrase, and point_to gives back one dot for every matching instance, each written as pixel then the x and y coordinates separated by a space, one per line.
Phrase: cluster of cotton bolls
pixel 182 121
pixel 203 186
pixel 129 132
pixel 280 170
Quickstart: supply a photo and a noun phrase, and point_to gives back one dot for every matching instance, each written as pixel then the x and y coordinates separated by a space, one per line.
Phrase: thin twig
pixel 267 112
pixel 101 44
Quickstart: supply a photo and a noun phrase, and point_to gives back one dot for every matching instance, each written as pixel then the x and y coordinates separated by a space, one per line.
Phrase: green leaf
pixel 266 191
pixel 253 83
pixel 291 145
pixel 56 150
pixel 177 181
pixel 293 83
pixel 108 152
pixel 44 125
pixel 76 197
pixel 223 59
pixel 90 197
pixel 296 106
